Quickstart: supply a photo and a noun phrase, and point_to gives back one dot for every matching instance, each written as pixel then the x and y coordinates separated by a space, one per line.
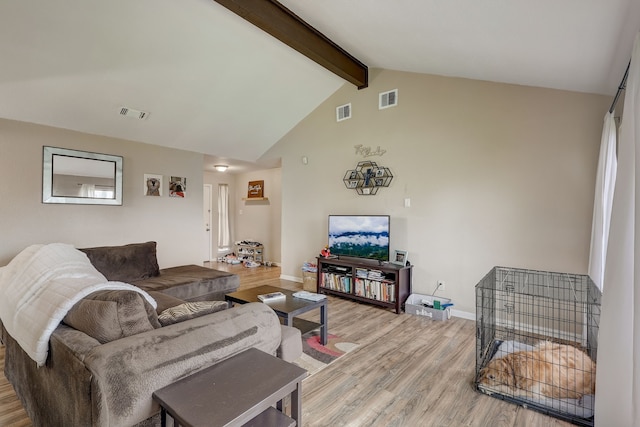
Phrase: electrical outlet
pixel 441 285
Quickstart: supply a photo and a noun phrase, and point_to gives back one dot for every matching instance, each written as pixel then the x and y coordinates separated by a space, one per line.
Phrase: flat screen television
pixel 359 236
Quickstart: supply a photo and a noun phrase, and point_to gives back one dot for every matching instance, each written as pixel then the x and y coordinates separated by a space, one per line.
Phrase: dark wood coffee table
pixel 238 391
pixel 287 309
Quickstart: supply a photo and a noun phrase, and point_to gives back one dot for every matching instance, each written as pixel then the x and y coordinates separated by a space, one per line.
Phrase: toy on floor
pixel 230 259
pixel 251 263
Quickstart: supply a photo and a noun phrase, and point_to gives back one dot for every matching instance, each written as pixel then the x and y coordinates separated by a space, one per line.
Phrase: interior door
pixel 207 217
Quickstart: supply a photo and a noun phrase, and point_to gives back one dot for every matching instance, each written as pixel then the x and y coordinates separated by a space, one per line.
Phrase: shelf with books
pixel 336 282
pixel 384 284
pixel 374 289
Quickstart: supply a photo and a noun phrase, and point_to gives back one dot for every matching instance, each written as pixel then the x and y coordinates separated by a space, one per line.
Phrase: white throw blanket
pixel 40 285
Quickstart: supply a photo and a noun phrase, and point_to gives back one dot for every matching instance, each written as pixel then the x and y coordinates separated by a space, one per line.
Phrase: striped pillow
pixel 189 310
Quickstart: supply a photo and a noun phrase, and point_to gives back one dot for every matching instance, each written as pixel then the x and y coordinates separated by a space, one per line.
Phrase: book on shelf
pixel 273 296
pixel 375 275
pixel 374 289
pixel 337 269
pixel 337 282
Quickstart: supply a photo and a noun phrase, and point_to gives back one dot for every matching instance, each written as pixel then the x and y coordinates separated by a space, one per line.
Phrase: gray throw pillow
pixel 190 310
pixel 111 315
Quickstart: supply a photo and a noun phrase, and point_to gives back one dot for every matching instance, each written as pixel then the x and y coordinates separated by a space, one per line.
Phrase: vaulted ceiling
pixel 213 83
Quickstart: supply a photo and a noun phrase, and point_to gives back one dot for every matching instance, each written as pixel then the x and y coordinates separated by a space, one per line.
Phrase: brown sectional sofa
pixel 93 381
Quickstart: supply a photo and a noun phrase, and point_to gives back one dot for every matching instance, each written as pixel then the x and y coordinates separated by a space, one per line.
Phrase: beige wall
pixel 260 220
pixel 497 175
pixel 175 223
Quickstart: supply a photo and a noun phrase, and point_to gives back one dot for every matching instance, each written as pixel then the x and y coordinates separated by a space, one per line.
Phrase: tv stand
pixel 383 284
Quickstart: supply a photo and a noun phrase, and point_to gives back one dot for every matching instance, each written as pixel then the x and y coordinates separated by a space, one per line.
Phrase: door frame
pixel 207 189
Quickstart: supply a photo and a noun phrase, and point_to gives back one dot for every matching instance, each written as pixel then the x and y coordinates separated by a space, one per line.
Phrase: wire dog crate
pixel 526 316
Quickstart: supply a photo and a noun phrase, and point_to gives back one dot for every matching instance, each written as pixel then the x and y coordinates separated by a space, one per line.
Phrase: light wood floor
pixel 407 371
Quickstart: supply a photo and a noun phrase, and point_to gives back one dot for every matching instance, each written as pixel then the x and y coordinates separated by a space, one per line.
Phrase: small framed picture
pixel 152 185
pixel 255 189
pixel 379 173
pixel 177 186
pixel 400 257
pixel 353 184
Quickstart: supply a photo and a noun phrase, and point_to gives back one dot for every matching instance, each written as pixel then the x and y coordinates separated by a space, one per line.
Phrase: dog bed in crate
pixel 581 408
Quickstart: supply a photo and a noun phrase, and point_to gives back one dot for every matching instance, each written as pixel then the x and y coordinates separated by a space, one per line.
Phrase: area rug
pixel 315 356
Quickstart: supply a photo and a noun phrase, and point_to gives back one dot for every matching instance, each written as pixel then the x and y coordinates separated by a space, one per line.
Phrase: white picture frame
pixel 96 179
pixel 400 257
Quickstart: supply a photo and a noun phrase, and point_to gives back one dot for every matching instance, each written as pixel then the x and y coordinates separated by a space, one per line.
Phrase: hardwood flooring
pixel 406 371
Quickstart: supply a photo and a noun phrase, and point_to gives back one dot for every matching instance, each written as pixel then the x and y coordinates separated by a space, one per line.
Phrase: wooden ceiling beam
pixel 281 23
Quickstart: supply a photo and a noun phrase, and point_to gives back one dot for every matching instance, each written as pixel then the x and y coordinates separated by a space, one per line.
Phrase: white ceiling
pixel 577 45
pixel 214 84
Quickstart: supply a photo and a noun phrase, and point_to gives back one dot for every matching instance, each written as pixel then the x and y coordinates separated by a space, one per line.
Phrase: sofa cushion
pixel 111 315
pixel 126 372
pixel 126 263
pixel 164 301
pixel 190 310
pixel 191 283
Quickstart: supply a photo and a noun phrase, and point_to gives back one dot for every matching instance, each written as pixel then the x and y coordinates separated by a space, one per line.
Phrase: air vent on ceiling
pixel 136 114
pixel 343 112
pixel 388 99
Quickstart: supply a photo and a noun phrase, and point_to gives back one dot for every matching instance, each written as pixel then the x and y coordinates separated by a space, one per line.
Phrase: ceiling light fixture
pixel 221 168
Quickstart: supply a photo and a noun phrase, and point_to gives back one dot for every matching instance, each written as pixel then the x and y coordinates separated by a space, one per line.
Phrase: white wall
pixel 175 223
pixel 497 175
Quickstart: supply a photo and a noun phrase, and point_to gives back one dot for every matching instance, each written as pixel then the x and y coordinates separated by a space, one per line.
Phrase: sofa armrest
pixel 290 344
pixel 127 371
pixel 58 393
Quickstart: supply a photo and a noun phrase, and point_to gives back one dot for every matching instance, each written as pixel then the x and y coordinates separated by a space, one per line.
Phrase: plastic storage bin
pixel 415 304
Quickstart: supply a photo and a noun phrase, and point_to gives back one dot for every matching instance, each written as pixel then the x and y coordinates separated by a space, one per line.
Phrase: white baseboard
pixel 291 278
pixel 463 314
pixel 271 264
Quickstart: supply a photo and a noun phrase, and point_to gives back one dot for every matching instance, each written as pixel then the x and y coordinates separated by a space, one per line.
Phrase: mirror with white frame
pixel 80 177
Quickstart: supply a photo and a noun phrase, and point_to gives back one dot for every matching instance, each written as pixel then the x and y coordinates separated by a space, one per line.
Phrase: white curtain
pixel 603 201
pixel 87 190
pixel 618 372
pixel 224 235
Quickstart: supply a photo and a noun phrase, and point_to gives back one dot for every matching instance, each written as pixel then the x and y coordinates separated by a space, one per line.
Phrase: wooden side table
pixel 237 391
